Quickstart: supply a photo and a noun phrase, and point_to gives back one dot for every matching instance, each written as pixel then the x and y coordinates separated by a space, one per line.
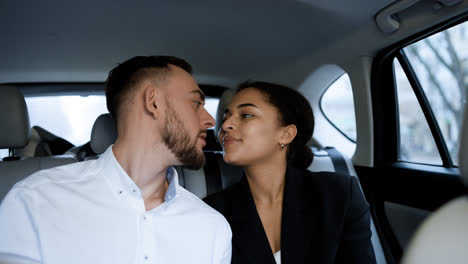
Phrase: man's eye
pixel 197 103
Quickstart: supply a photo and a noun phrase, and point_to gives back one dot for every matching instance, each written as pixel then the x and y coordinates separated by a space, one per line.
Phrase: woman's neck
pixel 266 181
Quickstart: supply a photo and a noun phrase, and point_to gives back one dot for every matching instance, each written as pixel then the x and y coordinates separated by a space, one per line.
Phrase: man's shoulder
pixel 194 205
pixel 64 174
pixel 206 220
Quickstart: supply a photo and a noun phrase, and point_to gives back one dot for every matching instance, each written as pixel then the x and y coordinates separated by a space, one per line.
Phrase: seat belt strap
pixel 338 160
pixel 212 174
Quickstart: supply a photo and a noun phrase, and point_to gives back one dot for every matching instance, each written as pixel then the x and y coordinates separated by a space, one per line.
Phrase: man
pixel 127 206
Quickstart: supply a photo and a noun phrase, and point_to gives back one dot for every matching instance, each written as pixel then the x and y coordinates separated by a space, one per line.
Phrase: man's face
pixel 186 119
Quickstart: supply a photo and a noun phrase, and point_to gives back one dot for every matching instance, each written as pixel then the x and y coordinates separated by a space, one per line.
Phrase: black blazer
pixel 325 220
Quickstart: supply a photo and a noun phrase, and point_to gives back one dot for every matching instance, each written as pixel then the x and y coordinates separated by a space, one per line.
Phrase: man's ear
pixel 150 97
pixel 288 134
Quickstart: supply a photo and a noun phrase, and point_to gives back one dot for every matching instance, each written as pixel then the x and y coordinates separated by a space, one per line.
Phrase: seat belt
pixel 338 160
pixel 212 174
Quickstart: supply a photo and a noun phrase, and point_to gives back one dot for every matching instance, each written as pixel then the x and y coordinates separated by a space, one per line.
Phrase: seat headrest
pixel 14 118
pixel 463 152
pixel 222 105
pixel 103 134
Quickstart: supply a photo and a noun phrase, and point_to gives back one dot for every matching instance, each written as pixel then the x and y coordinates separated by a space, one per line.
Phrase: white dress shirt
pixel 92 212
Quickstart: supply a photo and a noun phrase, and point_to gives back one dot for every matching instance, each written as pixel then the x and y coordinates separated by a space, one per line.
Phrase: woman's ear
pixel 288 134
pixel 150 97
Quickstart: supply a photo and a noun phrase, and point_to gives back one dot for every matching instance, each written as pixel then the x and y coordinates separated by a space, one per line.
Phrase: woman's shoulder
pixel 219 200
pixel 324 180
pixel 323 177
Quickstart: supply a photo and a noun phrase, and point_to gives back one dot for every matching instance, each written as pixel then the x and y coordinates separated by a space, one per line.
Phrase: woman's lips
pixel 228 140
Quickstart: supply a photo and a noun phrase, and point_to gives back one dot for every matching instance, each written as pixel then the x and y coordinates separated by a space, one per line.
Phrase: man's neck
pixel 145 165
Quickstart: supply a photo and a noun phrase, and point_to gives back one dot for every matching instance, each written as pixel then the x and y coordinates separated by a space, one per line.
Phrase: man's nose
pixel 207 120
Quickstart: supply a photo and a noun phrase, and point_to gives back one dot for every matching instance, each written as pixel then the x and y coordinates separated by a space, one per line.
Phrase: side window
pixel 337 105
pixel 440 65
pixel 211 105
pixel 416 141
pixel 3 153
pixel 69 117
pixel 72 117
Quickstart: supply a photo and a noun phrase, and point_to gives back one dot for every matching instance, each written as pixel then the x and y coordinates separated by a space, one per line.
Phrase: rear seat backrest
pixel 14 118
pixel 103 134
pixel 15 134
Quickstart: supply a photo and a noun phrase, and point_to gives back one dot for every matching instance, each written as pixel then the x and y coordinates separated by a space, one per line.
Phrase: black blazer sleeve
pixel 356 246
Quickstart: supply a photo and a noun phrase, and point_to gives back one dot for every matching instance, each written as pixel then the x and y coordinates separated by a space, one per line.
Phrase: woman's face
pixel 251 131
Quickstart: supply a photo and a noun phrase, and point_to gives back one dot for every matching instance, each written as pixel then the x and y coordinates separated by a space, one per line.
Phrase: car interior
pixel 387 81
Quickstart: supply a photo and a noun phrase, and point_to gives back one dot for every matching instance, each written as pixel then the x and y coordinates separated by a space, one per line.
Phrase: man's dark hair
pixel 126 76
pixel 293 108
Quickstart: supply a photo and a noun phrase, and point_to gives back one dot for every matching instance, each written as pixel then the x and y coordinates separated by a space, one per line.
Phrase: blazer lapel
pixel 249 238
pixel 301 221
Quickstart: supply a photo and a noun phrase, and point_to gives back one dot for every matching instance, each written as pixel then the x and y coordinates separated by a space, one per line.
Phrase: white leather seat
pixel 443 236
pixel 14 119
pixel 103 134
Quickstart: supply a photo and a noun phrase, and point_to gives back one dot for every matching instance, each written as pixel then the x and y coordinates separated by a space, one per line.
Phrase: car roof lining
pixel 53 41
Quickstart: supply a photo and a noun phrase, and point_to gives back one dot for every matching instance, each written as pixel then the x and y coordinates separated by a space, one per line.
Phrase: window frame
pixel 413 184
pixel 385 101
pixel 426 109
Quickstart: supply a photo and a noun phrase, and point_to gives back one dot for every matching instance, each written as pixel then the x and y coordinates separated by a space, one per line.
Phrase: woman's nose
pixel 227 124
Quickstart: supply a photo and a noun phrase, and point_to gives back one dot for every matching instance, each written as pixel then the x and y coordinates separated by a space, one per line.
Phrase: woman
pixel 280 212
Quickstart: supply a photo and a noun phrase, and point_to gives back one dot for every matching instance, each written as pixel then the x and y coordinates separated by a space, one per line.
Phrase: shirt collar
pixel 123 185
pixel 173 179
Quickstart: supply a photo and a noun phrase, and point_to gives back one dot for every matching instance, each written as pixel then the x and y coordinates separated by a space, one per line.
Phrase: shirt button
pixel 146 258
pixel 144 217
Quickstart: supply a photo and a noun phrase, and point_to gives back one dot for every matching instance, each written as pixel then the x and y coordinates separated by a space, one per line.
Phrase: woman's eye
pixel 246 115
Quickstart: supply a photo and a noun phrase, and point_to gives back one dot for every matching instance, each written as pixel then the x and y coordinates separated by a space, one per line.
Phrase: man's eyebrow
pixel 202 96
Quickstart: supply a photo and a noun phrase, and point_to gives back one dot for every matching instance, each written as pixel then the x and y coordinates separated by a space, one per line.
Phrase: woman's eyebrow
pixel 240 106
pixel 246 105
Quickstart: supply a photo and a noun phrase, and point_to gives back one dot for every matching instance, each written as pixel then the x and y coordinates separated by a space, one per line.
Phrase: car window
pixel 72 117
pixel 211 105
pixel 440 64
pixel 69 117
pixel 416 141
pixel 337 105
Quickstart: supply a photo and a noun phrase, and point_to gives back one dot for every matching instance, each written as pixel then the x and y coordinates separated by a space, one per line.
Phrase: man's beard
pixel 177 139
